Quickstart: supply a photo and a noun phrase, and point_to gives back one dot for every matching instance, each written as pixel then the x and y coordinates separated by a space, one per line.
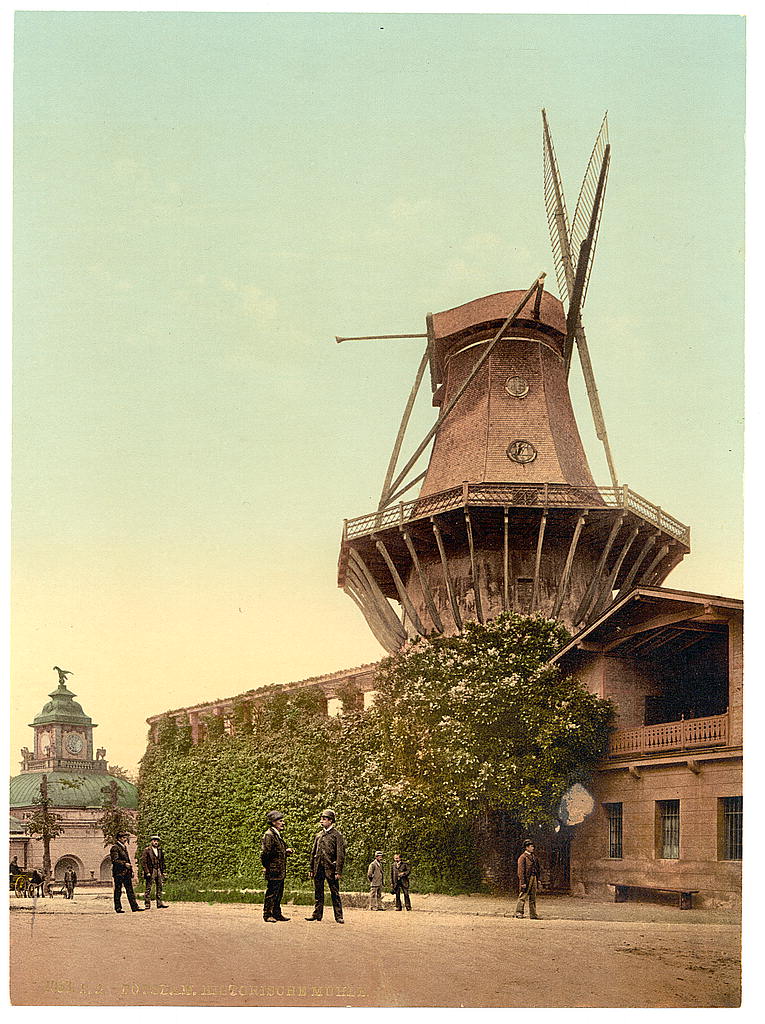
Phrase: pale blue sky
pixel 204 201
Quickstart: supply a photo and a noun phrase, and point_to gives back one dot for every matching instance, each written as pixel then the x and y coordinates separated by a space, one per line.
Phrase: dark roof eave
pixel 687 596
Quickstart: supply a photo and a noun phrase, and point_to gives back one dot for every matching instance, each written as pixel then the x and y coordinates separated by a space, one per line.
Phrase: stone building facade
pixel 77 776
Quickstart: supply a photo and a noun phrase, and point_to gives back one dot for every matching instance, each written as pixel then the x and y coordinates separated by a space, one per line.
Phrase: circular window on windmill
pixel 516 387
pixel 522 452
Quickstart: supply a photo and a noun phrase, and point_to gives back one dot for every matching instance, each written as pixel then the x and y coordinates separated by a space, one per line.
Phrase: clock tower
pixel 79 782
pixel 63 736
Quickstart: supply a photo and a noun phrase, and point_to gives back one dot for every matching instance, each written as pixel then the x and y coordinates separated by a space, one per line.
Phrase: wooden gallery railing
pixel 512 496
pixel 687 734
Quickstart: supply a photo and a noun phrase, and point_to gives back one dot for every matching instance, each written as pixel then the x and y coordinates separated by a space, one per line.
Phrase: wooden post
pixel 399 585
pixel 584 607
pixel 473 567
pixel 447 575
pixel 506 564
pixel 636 565
pixel 567 568
pixel 538 560
pixel 426 591
pixel 604 597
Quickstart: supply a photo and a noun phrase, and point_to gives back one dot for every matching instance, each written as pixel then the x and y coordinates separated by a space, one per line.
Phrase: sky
pixel 203 201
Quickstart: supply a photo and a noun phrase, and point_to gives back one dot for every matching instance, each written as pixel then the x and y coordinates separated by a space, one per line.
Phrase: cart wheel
pixel 20 886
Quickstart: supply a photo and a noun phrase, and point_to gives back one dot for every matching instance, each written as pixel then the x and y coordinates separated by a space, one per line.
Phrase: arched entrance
pixel 105 871
pixel 68 863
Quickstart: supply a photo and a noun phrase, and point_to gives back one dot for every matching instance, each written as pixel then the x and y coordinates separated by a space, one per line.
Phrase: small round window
pixel 521 451
pixel 516 387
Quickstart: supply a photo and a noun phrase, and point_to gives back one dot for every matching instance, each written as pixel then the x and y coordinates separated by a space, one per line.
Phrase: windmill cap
pixel 490 312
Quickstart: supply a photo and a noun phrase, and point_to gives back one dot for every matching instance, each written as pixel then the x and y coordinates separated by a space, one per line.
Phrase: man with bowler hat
pixel 399 877
pixel 122 873
pixel 273 856
pixel 327 859
pixel 528 880
pixel 153 867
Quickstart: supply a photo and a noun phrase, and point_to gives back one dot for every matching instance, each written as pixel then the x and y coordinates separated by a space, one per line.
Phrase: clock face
pixel 73 742
pixel 521 452
pixel 516 387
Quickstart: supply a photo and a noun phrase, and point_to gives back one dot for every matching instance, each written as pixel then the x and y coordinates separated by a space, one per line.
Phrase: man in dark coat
pixel 528 880
pixel 153 868
pixel 122 873
pixel 327 858
pixel 72 883
pixel 273 856
pixel 399 877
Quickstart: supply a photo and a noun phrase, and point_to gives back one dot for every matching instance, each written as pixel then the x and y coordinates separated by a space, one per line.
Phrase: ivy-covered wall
pixel 466 732
pixel 209 802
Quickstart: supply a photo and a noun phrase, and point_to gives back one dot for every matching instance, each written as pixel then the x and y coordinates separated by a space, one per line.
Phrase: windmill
pixel 573 253
pixel 508 516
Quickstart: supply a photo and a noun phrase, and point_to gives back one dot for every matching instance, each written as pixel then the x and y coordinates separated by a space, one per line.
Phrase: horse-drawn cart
pixel 27 883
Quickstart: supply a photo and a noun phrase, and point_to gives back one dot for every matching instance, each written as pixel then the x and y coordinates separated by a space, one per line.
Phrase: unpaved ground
pixel 448 952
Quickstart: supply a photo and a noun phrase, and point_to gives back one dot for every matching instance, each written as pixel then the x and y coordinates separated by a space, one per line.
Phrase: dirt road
pixel 203 955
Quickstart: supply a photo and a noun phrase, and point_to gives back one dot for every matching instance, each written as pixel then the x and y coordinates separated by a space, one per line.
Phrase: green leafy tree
pixel 114 819
pixel 44 825
pixel 481 721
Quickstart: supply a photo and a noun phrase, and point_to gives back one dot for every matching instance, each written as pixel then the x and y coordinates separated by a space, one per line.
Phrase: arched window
pixel 68 863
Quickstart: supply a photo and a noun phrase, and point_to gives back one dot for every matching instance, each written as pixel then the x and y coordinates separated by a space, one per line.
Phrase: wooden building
pixel 668 797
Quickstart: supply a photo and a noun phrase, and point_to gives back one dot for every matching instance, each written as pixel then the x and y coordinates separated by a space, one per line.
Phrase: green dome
pixel 26 788
pixel 62 708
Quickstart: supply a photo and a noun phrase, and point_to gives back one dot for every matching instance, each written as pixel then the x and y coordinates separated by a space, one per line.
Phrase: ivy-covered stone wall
pixel 468 735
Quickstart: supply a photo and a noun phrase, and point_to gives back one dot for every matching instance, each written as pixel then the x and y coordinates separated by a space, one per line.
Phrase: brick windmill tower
pixel 508 517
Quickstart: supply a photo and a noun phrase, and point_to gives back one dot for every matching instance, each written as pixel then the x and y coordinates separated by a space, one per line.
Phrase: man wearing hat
pixel 122 873
pixel 528 880
pixel 375 876
pixel 327 859
pixel 153 867
pixel 273 856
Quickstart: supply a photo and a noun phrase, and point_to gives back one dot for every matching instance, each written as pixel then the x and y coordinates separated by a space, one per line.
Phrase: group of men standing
pixel 152 867
pixel 399 881
pixel 327 859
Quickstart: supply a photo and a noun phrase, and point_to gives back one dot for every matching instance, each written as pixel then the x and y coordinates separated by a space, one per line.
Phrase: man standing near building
pixel 375 876
pixel 327 859
pixel 67 884
pixel 153 867
pixel 273 856
pixel 72 883
pixel 528 880
pixel 122 873
pixel 399 877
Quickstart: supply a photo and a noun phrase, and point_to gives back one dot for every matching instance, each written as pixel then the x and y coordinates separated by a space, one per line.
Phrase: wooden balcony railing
pixel 546 495
pixel 687 734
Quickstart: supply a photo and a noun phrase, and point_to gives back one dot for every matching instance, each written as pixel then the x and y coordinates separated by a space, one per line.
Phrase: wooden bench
pixel 685 896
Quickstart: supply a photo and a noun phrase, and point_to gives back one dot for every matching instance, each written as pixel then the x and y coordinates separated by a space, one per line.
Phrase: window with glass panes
pixel 732 827
pixel 614 812
pixel 669 829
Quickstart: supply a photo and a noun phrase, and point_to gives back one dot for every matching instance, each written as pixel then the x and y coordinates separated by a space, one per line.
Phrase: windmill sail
pixel 557 217
pixel 585 204
pixel 567 247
